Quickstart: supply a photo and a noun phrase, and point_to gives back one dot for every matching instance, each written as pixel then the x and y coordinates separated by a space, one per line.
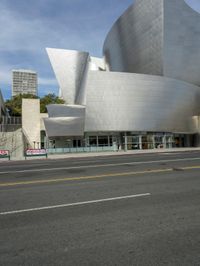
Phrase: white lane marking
pixel 169 153
pixel 75 204
pixel 98 165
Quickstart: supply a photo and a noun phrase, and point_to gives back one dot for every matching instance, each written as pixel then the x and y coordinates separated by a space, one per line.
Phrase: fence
pixel 80 149
pixel 10 123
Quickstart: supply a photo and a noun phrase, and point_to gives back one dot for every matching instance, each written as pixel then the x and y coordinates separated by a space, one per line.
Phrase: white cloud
pixel 21 33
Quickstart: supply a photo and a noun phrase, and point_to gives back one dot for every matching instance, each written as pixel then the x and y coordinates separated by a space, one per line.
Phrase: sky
pixel 27 27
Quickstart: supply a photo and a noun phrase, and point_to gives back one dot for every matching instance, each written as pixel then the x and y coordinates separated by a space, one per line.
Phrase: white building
pixel 24 81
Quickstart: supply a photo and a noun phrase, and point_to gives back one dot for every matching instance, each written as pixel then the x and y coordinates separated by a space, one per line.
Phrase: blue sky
pixel 28 27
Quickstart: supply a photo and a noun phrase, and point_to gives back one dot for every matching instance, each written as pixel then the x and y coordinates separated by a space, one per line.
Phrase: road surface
pixel 114 210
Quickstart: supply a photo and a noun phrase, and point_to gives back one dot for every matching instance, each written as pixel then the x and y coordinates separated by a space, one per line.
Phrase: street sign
pixel 35 152
pixel 5 154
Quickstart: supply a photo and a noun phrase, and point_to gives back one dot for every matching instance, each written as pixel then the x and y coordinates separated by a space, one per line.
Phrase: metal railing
pixel 10 123
pixel 80 149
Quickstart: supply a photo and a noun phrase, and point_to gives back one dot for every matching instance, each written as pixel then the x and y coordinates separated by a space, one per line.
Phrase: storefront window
pixel 93 141
pixel 150 143
pixel 169 141
pixel 144 142
pixel 159 141
pixel 132 142
pixel 103 140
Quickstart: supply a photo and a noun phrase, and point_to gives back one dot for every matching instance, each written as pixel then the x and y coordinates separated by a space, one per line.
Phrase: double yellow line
pixel 55 180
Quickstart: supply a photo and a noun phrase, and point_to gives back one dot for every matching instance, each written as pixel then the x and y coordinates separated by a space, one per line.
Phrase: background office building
pixel 24 81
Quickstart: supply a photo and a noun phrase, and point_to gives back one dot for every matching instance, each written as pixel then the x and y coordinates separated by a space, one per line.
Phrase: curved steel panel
pixel 135 102
pixel 159 37
pixel 181 42
pixel 69 67
pixel 64 126
pixel 134 44
pixel 65 120
pixel 62 110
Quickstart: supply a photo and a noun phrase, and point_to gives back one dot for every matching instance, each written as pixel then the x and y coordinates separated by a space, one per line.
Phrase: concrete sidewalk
pixel 119 153
pixel 99 154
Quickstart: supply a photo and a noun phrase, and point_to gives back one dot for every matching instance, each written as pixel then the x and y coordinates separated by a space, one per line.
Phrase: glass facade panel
pixel 150 141
pixel 102 140
pixel 159 142
pixel 144 142
pixel 169 141
pixel 92 141
pixel 133 142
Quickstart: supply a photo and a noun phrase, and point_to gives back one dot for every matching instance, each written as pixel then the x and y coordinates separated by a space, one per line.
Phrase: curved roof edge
pixel 116 21
pixel 194 10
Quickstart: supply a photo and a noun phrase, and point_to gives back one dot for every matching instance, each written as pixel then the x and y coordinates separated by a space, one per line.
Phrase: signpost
pixel 5 154
pixel 35 152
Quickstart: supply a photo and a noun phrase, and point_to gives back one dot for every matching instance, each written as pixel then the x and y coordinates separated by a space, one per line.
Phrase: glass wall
pixel 99 141
pixel 169 141
pixel 159 141
pixel 133 142
pixel 147 141
pixel 122 140
pixel 139 140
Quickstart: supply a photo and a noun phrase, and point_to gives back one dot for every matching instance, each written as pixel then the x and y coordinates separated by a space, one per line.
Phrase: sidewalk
pixel 99 154
pixel 120 153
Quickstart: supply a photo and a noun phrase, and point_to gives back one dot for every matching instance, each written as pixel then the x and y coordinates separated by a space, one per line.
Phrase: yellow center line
pixel 190 167
pixel 95 176
pixel 81 177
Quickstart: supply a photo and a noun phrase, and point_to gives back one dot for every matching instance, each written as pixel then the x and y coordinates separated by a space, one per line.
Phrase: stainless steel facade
pixel 70 68
pixel 158 37
pixel 135 42
pixel 149 81
pixel 65 120
pixel 136 102
pixel 181 50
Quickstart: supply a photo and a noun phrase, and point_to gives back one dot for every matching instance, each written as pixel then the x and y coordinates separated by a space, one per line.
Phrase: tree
pixel 14 105
pixel 50 98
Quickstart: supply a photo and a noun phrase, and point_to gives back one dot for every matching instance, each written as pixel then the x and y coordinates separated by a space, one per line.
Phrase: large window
pixel 93 141
pixel 159 141
pixel 169 141
pixel 103 140
pixel 100 141
pixel 133 142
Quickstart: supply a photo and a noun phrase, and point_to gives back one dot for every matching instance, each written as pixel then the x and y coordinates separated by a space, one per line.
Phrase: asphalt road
pixel 116 210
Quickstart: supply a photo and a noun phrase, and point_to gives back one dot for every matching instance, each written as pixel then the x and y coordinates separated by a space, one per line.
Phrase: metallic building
pixel 65 120
pixel 144 92
pixel 23 82
pixel 69 67
pixel 136 102
pixel 157 37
